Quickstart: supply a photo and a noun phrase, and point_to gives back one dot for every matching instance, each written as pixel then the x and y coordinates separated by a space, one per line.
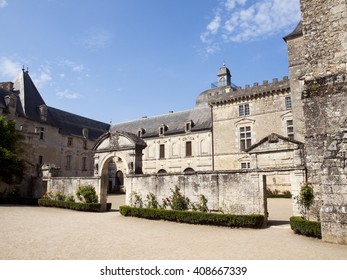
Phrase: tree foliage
pixel 11 165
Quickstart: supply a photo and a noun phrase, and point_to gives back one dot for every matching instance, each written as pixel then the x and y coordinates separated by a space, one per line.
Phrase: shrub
pixel 87 194
pixel 202 205
pixel 277 194
pixel 70 198
pixel 59 196
pixel 192 217
pixel 305 199
pixel 136 200
pixel 79 206
pixel 151 201
pixel 309 228
pixel 176 201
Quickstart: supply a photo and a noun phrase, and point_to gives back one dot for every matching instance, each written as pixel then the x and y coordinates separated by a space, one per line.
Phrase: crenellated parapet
pixel 231 94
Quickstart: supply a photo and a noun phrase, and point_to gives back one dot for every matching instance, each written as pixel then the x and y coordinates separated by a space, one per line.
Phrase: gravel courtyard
pixel 36 233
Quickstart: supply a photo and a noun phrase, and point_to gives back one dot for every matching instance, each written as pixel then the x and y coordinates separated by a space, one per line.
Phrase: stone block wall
pixel 237 192
pixel 68 185
pixel 325 110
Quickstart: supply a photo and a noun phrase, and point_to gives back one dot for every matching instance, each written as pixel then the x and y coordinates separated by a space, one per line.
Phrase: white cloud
pixel 230 4
pixel 41 77
pixel 67 94
pixel 3 3
pixel 242 20
pixel 73 65
pixel 9 68
pixel 214 25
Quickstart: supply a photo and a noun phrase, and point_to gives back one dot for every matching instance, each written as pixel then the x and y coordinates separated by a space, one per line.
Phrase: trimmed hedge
pixel 18 200
pixel 303 227
pixel 79 206
pixel 195 217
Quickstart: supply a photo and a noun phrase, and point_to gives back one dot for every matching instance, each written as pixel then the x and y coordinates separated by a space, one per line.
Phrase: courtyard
pixel 37 233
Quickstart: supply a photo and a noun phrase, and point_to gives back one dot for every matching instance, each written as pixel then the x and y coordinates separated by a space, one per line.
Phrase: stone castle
pixel 232 146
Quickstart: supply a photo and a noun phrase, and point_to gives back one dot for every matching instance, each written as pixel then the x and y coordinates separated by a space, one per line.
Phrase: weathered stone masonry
pixel 325 110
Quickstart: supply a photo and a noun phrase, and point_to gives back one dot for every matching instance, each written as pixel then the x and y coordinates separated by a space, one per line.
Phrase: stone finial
pixel 265 82
pixel 275 80
pixel 255 84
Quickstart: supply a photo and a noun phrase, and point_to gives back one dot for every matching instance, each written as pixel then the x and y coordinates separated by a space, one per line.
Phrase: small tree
pixel 11 166
pixel 305 199
pixel 87 194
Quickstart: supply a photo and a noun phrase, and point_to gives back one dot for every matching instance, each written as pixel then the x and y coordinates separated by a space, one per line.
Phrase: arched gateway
pixel 116 154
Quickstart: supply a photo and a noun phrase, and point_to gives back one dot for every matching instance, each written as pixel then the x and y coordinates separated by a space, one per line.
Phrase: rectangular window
pixel 290 129
pixel 162 151
pixel 245 165
pixel 244 110
pixel 245 138
pixel 288 102
pixel 40 160
pixel 85 144
pixel 68 162
pixel 188 149
pixel 84 163
pixel 41 132
pixel 69 141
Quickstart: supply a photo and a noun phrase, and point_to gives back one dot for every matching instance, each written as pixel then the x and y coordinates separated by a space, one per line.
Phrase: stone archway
pixel 124 150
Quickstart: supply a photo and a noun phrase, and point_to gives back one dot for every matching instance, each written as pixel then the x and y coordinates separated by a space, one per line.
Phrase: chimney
pixel 6 86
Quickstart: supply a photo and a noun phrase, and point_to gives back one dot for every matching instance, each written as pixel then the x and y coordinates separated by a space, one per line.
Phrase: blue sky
pixel 119 60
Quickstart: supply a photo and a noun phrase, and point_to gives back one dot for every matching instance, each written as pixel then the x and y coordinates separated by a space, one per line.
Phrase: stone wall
pixel 237 192
pixel 324 29
pixel 325 110
pixel 68 185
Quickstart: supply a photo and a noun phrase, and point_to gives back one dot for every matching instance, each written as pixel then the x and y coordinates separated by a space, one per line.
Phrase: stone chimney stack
pixel 7 86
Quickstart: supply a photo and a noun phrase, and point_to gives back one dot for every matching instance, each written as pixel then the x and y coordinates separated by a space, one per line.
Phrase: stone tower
pixel 324 95
pixel 224 76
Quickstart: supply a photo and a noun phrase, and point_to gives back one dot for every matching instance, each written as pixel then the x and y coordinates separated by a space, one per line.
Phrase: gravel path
pixel 36 233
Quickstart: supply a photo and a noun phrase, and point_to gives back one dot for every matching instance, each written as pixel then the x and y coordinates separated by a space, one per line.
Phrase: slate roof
pixel 30 100
pixel 175 123
pixel 71 124
pixel 3 93
pixel 296 33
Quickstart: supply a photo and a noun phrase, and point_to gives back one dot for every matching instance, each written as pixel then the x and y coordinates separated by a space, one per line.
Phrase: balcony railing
pixel 222 84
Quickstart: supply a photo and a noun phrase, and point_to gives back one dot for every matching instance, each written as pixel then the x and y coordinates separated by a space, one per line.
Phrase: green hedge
pixel 308 228
pixel 195 217
pixel 90 207
pixel 18 200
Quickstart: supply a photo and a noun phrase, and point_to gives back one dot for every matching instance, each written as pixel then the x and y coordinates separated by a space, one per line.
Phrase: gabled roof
pixel 287 144
pixel 175 123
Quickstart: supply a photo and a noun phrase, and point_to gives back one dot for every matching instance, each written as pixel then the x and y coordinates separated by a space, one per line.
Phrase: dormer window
pixel 141 132
pixel 43 112
pixel 162 129
pixel 188 126
pixel 85 133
